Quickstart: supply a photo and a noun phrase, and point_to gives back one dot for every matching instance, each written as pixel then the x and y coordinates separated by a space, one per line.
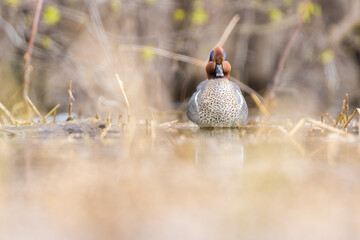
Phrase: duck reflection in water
pixel 220 151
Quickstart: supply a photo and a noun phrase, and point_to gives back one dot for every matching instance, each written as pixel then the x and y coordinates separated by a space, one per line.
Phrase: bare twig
pixel 349 120
pixel 330 119
pixel 7 131
pixel 27 57
pixel 187 59
pixel 347 106
pixel 340 30
pixel 27 99
pixel 297 127
pixel 167 124
pixel 121 85
pixel 261 106
pixel 343 107
pixel 28 54
pixel 228 30
pixel 165 53
pixel 330 128
pixel 317 123
pixel 52 111
pixel 358 110
pixel 7 113
pixel 247 89
pixel 288 47
pixel 71 99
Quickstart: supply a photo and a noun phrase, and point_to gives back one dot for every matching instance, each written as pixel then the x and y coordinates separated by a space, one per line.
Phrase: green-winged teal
pixel 217 101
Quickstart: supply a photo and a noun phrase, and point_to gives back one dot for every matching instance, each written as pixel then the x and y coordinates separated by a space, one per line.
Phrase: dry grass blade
pixel 316 123
pixel 347 106
pixel 52 111
pixel 297 127
pixel 7 131
pixel 228 30
pixel 168 123
pixel 330 128
pixel 340 119
pixel 8 114
pixel 330 119
pixel 168 54
pixel 358 110
pixel 349 119
pixel 108 120
pixel 260 105
pixel 34 108
pixel 71 98
pixel 121 85
pixel 247 89
pixel 343 107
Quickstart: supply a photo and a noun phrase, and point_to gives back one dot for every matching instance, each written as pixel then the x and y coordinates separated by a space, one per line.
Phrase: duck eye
pixel 225 55
pixel 211 56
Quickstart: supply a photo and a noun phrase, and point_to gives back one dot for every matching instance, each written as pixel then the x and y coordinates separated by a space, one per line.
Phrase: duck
pixel 217 101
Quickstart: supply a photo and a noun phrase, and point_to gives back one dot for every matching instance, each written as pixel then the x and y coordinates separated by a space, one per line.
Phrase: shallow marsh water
pixel 82 181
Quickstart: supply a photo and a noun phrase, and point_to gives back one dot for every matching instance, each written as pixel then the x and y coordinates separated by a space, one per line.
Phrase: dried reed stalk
pixel 287 48
pixel 297 127
pixel 347 106
pixel 71 98
pixel 330 128
pixel 319 124
pixel 30 49
pixel 121 85
pixel 228 30
pixel 7 131
pixel 330 119
pixel 34 108
pixel 28 55
pixel 8 114
pixel 52 111
pixel 358 110
pixel 349 119
pixel 260 105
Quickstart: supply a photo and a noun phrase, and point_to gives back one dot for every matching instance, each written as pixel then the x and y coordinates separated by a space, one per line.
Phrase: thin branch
pixel 330 128
pixel 28 54
pixel 351 117
pixel 340 30
pixel 165 53
pixel 330 119
pixel 27 99
pixel 52 111
pixel 228 30
pixel 121 85
pixel 8 114
pixel 260 105
pixel 7 131
pixel 187 59
pixel 288 47
pixel 319 124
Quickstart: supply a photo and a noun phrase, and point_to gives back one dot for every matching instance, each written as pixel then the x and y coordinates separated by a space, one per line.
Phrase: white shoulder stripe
pixel 196 100
pixel 241 97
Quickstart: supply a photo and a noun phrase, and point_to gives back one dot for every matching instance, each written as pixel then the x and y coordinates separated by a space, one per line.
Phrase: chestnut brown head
pixel 218 65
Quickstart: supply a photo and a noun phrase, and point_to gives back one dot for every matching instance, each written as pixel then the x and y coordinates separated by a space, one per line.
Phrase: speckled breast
pixel 219 105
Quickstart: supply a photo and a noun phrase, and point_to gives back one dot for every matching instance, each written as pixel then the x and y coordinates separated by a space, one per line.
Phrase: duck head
pixel 218 65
